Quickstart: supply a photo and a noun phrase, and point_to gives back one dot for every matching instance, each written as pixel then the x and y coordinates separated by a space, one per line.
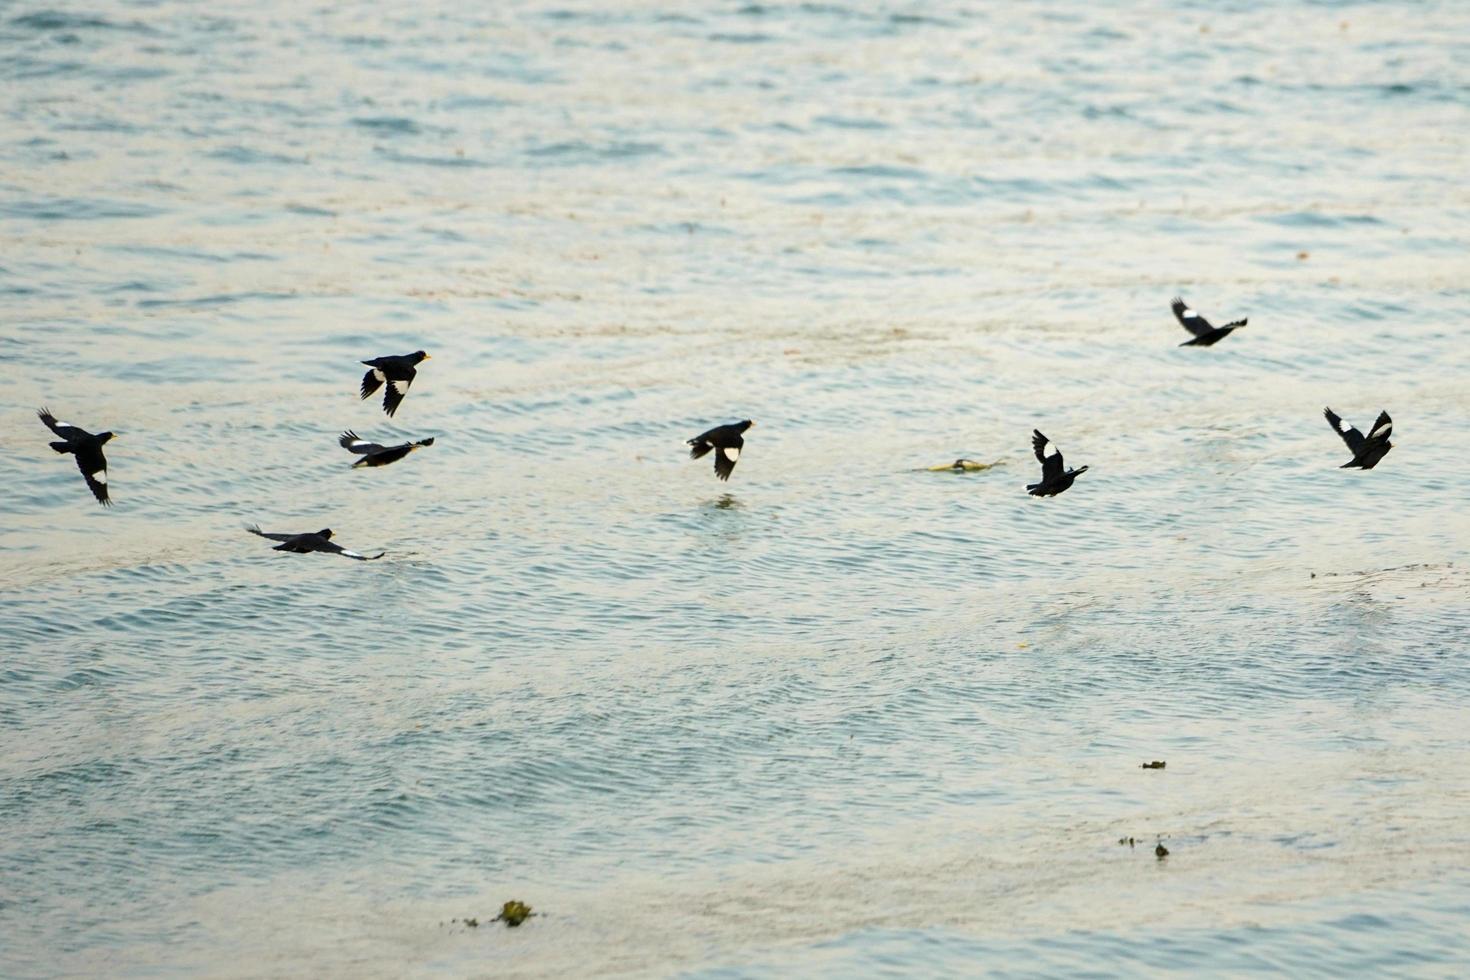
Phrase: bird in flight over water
pixel 87 448
pixel 310 542
pixel 1205 333
pixel 1054 479
pixel 726 440
pixel 397 372
pixel 375 455
pixel 1366 452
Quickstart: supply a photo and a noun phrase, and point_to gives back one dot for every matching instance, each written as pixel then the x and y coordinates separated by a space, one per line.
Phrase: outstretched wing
pixel 65 430
pixel 1350 435
pixel 94 470
pixel 1382 428
pixel 371 381
pixel 394 392
pixel 349 441
pixel 1048 455
pixel 725 460
pixel 255 529
pixel 345 553
pixel 1189 319
pixel 698 446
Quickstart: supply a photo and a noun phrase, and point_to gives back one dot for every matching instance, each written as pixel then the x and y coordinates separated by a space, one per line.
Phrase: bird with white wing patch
pixel 726 440
pixel 394 373
pixel 1054 478
pixel 87 448
pixel 1366 451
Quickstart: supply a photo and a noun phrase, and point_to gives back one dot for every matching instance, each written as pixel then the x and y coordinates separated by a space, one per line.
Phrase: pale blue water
pixel 841 716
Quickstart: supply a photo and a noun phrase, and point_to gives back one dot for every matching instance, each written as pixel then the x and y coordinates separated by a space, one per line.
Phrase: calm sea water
pixel 840 716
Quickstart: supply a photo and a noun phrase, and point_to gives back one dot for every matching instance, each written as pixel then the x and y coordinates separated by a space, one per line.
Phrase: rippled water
pixel 842 715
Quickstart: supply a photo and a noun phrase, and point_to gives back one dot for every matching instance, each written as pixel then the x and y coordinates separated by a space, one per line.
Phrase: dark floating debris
pixel 1160 851
pixel 1156 764
pixel 513 913
pixel 1127 840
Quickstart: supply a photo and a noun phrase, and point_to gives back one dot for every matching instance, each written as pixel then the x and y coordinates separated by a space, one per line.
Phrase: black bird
pixel 305 544
pixel 1205 333
pixel 728 439
pixel 88 450
pixel 1366 452
pixel 1053 479
pixel 395 370
pixel 375 455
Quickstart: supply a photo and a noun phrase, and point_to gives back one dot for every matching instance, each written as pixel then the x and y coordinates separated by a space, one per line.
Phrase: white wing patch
pixel 101 477
pixel 378 373
pixel 350 554
pixel 731 453
pixel 1049 448
pixel 1382 430
pixel 401 386
pixel 1189 314
pixel 357 447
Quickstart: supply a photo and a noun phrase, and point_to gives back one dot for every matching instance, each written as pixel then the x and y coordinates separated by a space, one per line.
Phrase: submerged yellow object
pixel 513 913
pixel 962 466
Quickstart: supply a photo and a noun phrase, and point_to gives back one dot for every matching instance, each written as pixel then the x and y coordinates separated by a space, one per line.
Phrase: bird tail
pixel 61 447
pixel 699 449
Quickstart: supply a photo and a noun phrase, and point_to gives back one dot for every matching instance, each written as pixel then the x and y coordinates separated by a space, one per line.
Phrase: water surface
pixel 839 716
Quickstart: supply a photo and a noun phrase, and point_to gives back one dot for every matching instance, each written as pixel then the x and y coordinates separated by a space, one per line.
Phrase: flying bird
pixel 375 455
pixel 1205 333
pixel 1053 478
pixel 88 450
pixel 727 439
pixel 1366 452
pixel 396 371
pixel 312 541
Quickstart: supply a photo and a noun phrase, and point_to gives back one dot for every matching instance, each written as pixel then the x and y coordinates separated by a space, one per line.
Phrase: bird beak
pixel 428 357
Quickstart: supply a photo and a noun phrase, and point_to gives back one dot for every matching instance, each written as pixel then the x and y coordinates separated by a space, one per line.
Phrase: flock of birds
pixel 395 374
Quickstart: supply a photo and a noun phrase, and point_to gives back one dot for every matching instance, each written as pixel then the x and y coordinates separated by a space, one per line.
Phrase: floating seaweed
pixel 513 913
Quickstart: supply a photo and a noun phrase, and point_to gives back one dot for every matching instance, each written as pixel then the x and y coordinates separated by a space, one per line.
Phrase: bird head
pixel 419 355
pixel 104 437
pixel 325 532
pixel 746 424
